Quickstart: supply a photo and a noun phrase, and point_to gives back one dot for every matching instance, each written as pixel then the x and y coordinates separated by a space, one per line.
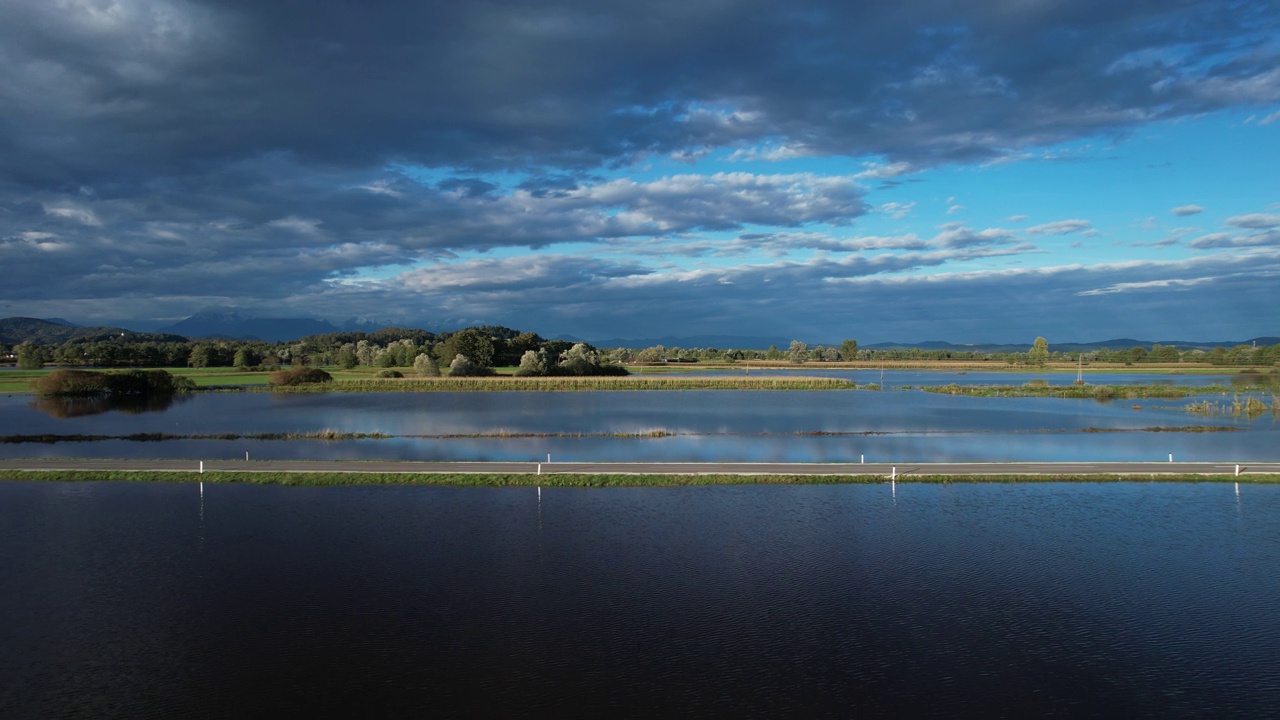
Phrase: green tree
pixel 533 363
pixel 470 342
pixel 462 366
pixel 581 359
pixel 245 357
pixel 1039 354
pixel 426 366
pixel 655 354
pixel 849 350
pixel 30 355
pixel 798 353
pixel 347 356
pixel 199 356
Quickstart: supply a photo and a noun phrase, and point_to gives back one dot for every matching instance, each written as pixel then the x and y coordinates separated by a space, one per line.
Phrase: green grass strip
pixel 581 480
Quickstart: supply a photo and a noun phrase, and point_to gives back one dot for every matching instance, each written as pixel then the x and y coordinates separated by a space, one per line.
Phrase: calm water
pixel 826 426
pixel 1118 600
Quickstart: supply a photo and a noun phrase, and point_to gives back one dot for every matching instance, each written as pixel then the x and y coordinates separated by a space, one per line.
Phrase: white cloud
pixel 881 171
pixel 1172 283
pixel 1184 210
pixel 897 210
pixel 382 187
pixel 772 153
pixel 1212 240
pixel 73 211
pixel 1227 240
pixel 305 226
pixel 1256 221
pixel 1060 227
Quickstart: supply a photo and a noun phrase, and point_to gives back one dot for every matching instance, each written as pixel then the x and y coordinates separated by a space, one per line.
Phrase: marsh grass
pixel 1083 392
pixel 1247 407
pixel 1183 428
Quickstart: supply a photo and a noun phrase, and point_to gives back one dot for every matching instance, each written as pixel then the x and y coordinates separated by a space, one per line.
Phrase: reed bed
pixel 1082 392
pixel 1248 407
pixel 572 384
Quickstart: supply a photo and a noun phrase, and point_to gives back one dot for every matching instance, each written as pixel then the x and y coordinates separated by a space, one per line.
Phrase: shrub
pixel 462 366
pixel 299 376
pixel 147 382
pixel 71 383
pixel 130 383
pixel 426 366
pixel 533 363
pixel 389 374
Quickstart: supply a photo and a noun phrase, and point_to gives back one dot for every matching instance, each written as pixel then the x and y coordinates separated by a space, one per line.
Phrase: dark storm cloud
pixel 259 213
pixel 101 90
pixel 267 150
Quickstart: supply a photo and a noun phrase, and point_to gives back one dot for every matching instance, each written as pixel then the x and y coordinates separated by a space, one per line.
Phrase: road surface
pixel 654 468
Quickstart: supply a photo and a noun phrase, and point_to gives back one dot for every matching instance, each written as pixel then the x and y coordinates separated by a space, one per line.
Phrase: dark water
pixel 763 426
pixel 1117 600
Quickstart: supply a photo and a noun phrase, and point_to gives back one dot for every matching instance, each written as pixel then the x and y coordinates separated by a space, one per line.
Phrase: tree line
pixel 489 346
pixel 470 351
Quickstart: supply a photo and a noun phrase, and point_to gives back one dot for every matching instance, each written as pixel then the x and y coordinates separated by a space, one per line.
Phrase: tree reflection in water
pixel 70 407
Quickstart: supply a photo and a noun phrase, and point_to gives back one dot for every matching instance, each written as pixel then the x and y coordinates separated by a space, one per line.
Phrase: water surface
pixel 1118 600
pixel 703 425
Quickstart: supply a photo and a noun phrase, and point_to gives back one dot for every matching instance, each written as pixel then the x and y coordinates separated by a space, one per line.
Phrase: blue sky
pixel 925 170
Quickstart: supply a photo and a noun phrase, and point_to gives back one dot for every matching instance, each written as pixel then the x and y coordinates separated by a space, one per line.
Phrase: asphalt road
pixel 656 468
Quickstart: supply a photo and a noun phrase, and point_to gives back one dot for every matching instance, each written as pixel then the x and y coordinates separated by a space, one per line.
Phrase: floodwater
pixel 1037 600
pixel 706 425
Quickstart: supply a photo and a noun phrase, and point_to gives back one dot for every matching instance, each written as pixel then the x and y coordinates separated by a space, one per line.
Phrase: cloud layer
pixel 361 158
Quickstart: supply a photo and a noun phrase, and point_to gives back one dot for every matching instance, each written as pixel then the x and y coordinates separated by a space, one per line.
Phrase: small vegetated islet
pixel 299 376
pixel 122 384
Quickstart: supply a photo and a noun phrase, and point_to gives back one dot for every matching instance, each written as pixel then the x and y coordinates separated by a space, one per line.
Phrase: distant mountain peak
pixel 238 325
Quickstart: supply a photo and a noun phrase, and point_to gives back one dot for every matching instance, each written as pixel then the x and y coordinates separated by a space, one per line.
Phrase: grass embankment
pixel 962 366
pixel 18 381
pixel 584 480
pixel 330 435
pixel 572 384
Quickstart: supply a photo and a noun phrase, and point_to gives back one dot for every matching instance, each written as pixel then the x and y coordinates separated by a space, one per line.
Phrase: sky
pixel 986 171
